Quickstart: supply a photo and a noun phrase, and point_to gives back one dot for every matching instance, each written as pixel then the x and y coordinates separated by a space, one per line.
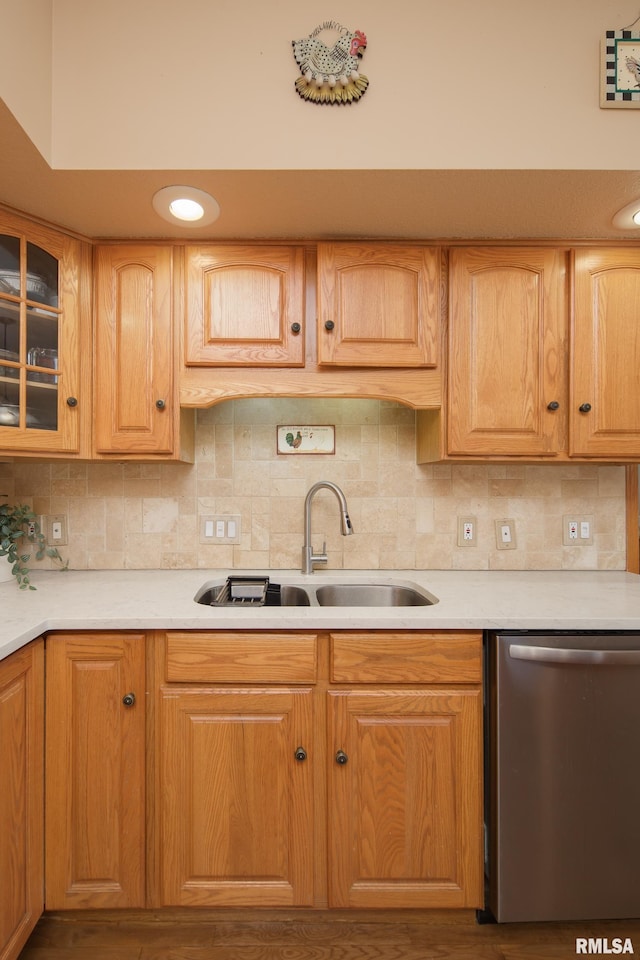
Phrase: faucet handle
pixel 320 557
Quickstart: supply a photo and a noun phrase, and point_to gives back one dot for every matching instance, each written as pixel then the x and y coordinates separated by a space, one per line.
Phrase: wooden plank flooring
pixel 307 935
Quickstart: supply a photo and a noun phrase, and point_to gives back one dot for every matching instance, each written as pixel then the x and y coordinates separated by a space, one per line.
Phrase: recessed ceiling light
pixel 629 217
pixel 186 206
pixel 185 209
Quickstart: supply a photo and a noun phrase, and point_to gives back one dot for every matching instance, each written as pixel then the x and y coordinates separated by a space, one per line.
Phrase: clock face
pixel 628 66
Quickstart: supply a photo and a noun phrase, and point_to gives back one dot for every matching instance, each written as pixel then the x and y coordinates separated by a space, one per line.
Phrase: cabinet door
pixel 95 772
pixel 378 305
pixel 507 336
pixel 135 406
pixel 405 792
pixel 245 306
pixel 21 795
pixel 236 804
pixel 42 398
pixel 605 399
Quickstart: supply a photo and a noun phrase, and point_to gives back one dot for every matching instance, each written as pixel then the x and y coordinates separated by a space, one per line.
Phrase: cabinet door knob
pixel 341 757
pixel 160 404
pixel 295 328
pixel 129 699
pixel 554 405
pixel 584 407
pixel 329 324
pixel 300 754
pixel 72 402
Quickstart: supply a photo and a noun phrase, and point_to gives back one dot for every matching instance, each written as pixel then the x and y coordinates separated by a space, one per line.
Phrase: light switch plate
pixel 219 529
pixel 506 534
pixel 56 530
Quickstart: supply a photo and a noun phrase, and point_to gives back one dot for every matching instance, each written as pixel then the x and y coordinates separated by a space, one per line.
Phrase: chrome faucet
pixel 309 558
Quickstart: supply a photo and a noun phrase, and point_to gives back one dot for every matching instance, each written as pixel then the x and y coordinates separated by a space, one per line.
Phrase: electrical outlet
pixel 467 531
pixel 577 531
pixel 219 529
pixel 505 534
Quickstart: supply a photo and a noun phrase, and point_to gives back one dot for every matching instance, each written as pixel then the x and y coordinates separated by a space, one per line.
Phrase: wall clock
pixel 620 69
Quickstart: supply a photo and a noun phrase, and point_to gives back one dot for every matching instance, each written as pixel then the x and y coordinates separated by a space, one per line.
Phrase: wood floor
pixel 305 935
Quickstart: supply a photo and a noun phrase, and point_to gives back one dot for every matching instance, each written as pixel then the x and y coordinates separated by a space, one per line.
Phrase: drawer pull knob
pixel 300 754
pixel 129 699
pixel 160 404
pixel 329 325
pixel 584 407
pixel 295 327
pixel 553 405
pixel 341 757
pixel 72 402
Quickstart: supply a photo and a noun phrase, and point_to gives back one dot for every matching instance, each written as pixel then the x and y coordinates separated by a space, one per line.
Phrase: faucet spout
pixel 309 558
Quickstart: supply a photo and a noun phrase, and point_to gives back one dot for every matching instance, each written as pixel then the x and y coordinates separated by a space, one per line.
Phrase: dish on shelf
pixel 10 283
pixel 10 416
pixel 8 371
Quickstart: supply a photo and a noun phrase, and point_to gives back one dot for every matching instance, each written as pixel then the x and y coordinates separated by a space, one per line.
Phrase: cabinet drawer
pixel 387 657
pixel 241 657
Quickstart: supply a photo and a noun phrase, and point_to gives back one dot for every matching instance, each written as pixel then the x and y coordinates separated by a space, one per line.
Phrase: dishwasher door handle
pixel 561 655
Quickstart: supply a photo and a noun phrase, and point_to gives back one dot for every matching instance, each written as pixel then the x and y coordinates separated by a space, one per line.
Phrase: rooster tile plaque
pixel 307 439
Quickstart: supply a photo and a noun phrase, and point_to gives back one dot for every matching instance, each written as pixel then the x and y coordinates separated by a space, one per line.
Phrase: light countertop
pixel 163 599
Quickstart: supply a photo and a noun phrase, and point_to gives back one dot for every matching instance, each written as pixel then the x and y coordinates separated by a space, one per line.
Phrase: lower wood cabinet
pixel 350 780
pixel 404 798
pixel 264 769
pixel 95 771
pixel 21 796
pixel 237 797
pixel 405 769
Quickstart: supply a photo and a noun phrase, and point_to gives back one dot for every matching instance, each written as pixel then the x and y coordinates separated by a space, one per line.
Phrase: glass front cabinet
pixel 41 355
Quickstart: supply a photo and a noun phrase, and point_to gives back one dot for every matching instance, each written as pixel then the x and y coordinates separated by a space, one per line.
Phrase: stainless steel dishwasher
pixel 563 775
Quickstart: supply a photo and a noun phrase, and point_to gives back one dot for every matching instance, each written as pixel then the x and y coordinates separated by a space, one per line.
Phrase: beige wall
pixel 154 84
pixel 26 66
pixel 146 515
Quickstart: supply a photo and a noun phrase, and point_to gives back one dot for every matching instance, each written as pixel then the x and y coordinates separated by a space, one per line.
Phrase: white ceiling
pixel 312 204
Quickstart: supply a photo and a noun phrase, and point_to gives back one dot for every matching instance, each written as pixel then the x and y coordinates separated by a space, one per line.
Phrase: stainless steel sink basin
pixel 292 596
pixel 370 595
pixel 269 591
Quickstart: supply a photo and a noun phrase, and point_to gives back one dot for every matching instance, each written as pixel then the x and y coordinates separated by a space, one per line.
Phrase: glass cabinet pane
pixel 10 265
pixel 29 335
pixel 42 276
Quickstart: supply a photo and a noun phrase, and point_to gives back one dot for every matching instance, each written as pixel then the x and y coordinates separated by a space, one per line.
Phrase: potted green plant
pixel 18 523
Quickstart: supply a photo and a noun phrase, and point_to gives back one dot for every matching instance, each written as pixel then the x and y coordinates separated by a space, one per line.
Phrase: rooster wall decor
pixel 330 73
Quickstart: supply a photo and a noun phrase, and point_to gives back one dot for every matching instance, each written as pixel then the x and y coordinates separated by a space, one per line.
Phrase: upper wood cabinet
pixel 136 409
pixel 507 352
pixel 605 354
pixel 245 305
pixel 45 347
pixel 21 796
pixel 378 305
pixel 95 771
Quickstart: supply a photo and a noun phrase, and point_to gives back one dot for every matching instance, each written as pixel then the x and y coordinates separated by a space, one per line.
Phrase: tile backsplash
pixel 146 515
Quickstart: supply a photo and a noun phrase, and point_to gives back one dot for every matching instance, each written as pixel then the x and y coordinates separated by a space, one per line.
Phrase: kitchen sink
pixel 285 595
pixel 239 591
pixel 371 595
